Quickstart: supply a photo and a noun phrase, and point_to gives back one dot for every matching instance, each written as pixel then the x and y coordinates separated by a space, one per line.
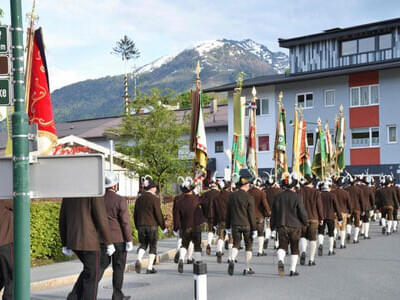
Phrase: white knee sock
pixel 331 240
pixel 182 253
pixel 362 228
pixel 356 232
pixel 190 251
pixel 320 239
pixel 383 220
pixel 249 255
pixel 209 238
pixel 313 247
pixel 230 247
pixel 335 233
pixel 151 261
pixel 220 245
pixel 342 237
pixel 293 262
pixel 268 233
pixel 235 252
pixel 260 244
pixel 140 254
pixel 178 243
pixel 303 245
pixel 395 224
pixel 281 255
pixel 348 229
pixel 389 227
pixel 197 256
pixel 273 234
pixel 366 229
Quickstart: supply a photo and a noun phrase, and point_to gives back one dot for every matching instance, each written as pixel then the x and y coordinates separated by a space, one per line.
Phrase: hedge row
pixel 45 237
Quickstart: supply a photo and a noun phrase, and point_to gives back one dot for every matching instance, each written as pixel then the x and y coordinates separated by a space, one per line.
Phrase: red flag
pixel 39 107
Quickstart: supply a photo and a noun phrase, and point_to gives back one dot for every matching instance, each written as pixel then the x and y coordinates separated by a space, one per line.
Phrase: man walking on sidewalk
pixel 147 216
pixel 121 235
pixel 288 217
pixel 241 220
pixel 83 225
pixel 6 248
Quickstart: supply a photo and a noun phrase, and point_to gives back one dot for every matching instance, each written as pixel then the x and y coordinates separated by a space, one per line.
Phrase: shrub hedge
pixel 45 237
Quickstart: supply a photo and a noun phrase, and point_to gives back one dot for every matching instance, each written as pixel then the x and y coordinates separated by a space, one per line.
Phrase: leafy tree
pixel 127 50
pixel 154 137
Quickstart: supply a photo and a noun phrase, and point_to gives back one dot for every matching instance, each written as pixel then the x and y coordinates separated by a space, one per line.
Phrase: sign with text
pixel 5 88
pixel 59 176
pixel 4 39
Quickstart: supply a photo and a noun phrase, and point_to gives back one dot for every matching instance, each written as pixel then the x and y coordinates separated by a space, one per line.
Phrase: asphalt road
pixel 368 270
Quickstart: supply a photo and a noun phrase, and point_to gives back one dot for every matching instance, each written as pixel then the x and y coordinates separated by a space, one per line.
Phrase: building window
pixel 364 95
pixel 392 134
pixel 262 107
pixel 330 98
pixel 366 45
pixel 365 137
pixel 349 47
pixel 219 146
pixel 310 139
pixel 385 41
pixel 263 143
pixel 305 100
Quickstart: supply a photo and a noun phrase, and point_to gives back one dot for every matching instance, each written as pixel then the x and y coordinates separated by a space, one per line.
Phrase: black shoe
pixel 356 241
pixel 138 266
pixel 180 266
pixel 265 246
pixel 281 268
pixel 176 257
pixel 302 258
pixel 387 233
pixel 261 254
pixel 331 253
pixel 320 250
pixel 226 244
pixel 248 271
pixel 342 246
pixel 348 236
pixel 334 244
pixel 383 230
pixel 208 250
pixel 295 273
pixel 152 271
pixel 367 237
pixel 190 261
pixel 362 234
pixel 311 263
pixel 231 267
pixel 219 257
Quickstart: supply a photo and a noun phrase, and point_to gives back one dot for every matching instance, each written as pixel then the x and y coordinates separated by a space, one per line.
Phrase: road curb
pixel 65 280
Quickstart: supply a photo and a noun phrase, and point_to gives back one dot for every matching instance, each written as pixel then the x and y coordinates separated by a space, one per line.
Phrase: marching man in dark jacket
pixel 272 188
pixel 121 234
pixel 187 219
pixel 386 200
pixel 83 226
pixel 6 248
pixel 344 202
pixel 357 206
pixel 241 220
pixel 288 217
pixel 262 211
pixel 147 216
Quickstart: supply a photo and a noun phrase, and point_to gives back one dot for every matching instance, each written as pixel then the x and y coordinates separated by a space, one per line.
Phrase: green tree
pixel 155 138
pixel 127 50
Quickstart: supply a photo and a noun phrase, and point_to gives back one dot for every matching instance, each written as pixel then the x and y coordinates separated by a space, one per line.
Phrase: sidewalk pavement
pixel 64 273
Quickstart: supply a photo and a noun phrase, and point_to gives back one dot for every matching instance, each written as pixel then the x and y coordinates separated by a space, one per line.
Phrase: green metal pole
pixel 20 162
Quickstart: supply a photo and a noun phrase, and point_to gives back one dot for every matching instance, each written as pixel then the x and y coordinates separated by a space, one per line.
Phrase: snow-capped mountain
pixel 220 60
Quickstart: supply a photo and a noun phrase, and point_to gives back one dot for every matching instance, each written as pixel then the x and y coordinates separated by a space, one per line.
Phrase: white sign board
pixel 58 176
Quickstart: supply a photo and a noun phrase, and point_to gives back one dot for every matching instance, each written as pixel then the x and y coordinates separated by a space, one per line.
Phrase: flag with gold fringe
pixel 280 155
pixel 340 142
pixel 251 156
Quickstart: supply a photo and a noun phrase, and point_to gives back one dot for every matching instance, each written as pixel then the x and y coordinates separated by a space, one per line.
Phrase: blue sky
pixel 80 34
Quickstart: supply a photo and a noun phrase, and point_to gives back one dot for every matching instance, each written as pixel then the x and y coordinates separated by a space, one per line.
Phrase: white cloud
pixel 59 77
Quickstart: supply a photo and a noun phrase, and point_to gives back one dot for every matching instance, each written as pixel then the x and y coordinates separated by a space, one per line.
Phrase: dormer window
pixel 366 45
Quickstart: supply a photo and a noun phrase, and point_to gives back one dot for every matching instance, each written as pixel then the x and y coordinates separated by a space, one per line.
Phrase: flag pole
pixel 254 93
pixel 30 36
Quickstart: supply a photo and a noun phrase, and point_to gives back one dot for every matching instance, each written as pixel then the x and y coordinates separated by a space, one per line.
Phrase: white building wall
pixel 222 160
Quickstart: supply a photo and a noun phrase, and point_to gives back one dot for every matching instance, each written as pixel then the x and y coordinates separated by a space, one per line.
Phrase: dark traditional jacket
pixel 218 207
pixel 386 196
pixel 240 210
pixel 6 222
pixel 260 203
pixel 188 214
pixel 312 202
pixel 288 210
pixel 356 198
pixel 330 206
pixel 147 211
pixel 83 224
pixel 118 217
pixel 271 192
pixel 206 201
pixel 343 200
pixel 368 197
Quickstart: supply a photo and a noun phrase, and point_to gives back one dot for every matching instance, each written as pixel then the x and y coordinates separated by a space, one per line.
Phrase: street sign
pixel 5 91
pixel 4 39
pixel 4 65
pixel 61 176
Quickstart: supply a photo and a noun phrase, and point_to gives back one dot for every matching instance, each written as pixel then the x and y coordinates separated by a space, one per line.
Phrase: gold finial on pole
pixel 280 96
pixel 254 92
pixel 198 70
